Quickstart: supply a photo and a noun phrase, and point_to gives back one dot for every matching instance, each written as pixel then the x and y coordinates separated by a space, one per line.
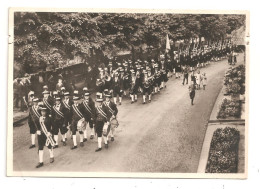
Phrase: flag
pixel 167 43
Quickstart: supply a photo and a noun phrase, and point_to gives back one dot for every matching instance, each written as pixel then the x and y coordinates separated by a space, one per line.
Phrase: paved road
pixel 163 136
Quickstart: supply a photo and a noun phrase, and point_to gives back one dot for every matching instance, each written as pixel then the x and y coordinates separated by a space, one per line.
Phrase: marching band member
pixel 107 80
pixel 100 118
pixel 157 75
pixel 134 88
pixel 77 119
pixel 47 101
pixel 33 120
pixel 117 86
pixel 111 114
pixel 44 136
pixel 59 120
pixel 67 103
pixel 146 87
pixel 88 111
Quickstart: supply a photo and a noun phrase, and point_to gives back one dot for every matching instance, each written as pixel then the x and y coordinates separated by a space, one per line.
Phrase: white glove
pixel 38 132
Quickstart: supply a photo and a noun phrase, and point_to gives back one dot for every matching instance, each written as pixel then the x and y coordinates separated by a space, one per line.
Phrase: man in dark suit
pixel 112 113
pixel 59 121
pixel 33 120
pixel 76 116
pixel 88 112
pixel 100 119
pixel 44 136
pixel 47 101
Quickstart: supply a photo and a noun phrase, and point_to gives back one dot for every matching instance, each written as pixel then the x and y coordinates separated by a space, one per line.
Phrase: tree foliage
pixel 48 39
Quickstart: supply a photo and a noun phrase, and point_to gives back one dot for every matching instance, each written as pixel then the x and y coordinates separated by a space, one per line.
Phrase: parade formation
pixel 65 112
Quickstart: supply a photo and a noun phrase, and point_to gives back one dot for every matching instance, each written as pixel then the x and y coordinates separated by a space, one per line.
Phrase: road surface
pixel 165 135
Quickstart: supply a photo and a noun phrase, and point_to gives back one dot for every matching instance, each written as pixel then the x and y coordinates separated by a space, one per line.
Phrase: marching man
pixel 100 118
pixel 47 101
pixel 146 88
pixel 59 120
pixel 117 85
pixel 77 122
pixel 33 120
pixel 112 112
pixel 44 136
pixel 88 111
pixel 67 103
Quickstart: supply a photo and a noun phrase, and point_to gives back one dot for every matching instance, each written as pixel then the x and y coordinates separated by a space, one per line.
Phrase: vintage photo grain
pixel 127 93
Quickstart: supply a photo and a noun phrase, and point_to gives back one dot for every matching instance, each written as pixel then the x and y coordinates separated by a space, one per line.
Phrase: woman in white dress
pixel 198 79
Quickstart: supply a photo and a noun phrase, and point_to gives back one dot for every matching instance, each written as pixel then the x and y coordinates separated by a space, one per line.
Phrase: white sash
pixel 58 112
pixel 87 107
pixel 46 103
pixel 77 111
pixel 101 112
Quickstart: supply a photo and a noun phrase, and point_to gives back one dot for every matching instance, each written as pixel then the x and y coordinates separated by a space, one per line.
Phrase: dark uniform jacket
pixel 59 114
pixel 76 113
pixel 101 113
pixel 112 109
pixel 33 119
pixel 88 109
pixel 48 103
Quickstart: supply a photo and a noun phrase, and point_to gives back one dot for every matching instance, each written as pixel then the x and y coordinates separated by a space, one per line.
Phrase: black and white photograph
pixel 128 93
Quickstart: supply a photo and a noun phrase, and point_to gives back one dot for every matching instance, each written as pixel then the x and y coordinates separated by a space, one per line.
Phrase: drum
pixel 106 129
pixel 81 126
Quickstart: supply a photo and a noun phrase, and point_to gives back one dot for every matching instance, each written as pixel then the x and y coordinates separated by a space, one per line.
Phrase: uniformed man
pixel 59 121
pixel 88 111
pixel 111 114
pixel 146 87
pixel 117 86
pixel 67 103
pixel 134 88
pixel 44 136
pixel 47 101
pixel 33 120
pixel 100 118
pixel 76 116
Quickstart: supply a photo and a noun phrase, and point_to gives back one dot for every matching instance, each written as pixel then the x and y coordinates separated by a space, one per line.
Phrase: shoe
pixel 112 139
pixel 81 144
pixel 106 146
pixel 32 146
pixel 149 101
pixel 74 147
pixel 165 86
pixel 143 102
pixel 99 149
pixel 64 143
pixel 56 146
pixel 135 100
pixel 85 140
pixel 119 103
pixel 39 165
pixel 51 160
pixel 91 137
pixel 132 102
